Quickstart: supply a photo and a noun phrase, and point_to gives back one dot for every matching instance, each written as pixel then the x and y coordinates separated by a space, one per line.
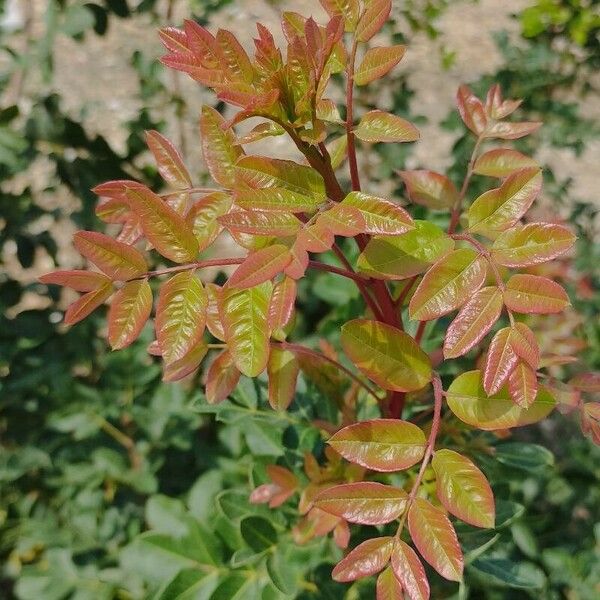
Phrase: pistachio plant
pixel 409 272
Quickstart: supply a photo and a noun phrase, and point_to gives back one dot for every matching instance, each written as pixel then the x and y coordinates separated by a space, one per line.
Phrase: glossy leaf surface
pixel 430 189
pixel 282 302
pixel 282 370
pixel 129 311
pixel 380 216
pixel 535 294
pixel 366 559
pixel 377 62
pixel 202 217
pixel 502 162
pixel 276 200
pixel 388 586
pixel 261 223
pixel 374 16
pixel 86 304
pixel 379 126
pixel 169 161
pixel 80 281
pixel 221 379
pixel 500 361
pixel 410 572
pixel 260 266
pixel 523 385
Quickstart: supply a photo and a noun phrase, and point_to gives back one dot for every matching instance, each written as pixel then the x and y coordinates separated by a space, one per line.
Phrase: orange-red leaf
pixel 169 162
pixel 523 385
pixel 380 444
pixel 180 315
pixel 234 60
pixel 261 223
pixel 525 345
pixel 502 162
pixel 129 311
pixel 276 200
pixel 379 126
pixel 377 62
pixel 380 216
pixel 388 586
pixel 366 559
pixel 374 16
pixel 500 361
pixel 473 321
pixel 534 294
pixel 282 302
pixel 511 131
pixel 213 315
pixel 463 489
pixel 500 208
pixel 86 304
pixel 202 217
pixel 366 503
pixel 282 370
pixel 430 189
pixel 119 261
pixel 435 538
pixel 471 110
pixel 410 572
pixel 80 281
pixel 165 229
pixel 344 220
pixel 448 284
pixel 347 9
pixel 185 365
pixel 219 147
pixel 221 379
pixel 260 266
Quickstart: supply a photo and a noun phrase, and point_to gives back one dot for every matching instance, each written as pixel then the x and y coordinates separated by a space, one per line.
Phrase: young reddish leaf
pixel 366 559
pixel 164 228
pixel 260 132
pixel 380 216
pixel 463 489
pixel 261 223
pixel 388 587
pixel 342 220
pixel 119 261
pixel 180 315
pixel 435 538
pixel 261 172
pixel 473 321
pixel 590 424
pixel 388 356
pixel 299 262
pixel 282 302
pixel 500 208
pixel 80 281
pixel 113 210
pixel 275 200
pixel 372 19
pixel 186 364
pixel 586 382
pixel 169 161
pixel 409 571
pixel 366 503
pixel 511 131
pixel 502 162
pixel 282 370
pixel 531 244
pixel 523 385
pixel 327 110
pixel 377 62
pixel 471 110
pixel 173 39
pixel 384 445
pixel 347 9
pixel 283 486
pixel 213 315
pixel 221 378
pixel 469 402
pixel 87 304
pixel 496 107
pixel 318 237
pixel 260 266
pixel 448 284
pixel 430 189
pixel 407 255
pixel 244 318
pixel 500 361
pixel 202 217
pixel 525 345
pixel 219 147
pixel 338 151
pixel 534 294
pixel 233 57
pixel 380 126
pixel 129 311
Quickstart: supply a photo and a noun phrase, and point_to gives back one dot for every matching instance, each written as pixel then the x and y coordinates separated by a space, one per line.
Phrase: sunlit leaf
pixel 87 304
pixel 80 281
pixel 282 302
pixel 523 385
pixel 401 257
pixel 261 223
pixel 202 217
pixel 221 379
pixel 473 321
pixel 233 57
pixel 169 162
pixel 282 370
pixel 388 586
pixel 377 62
pixel 367 503
pixel 380 444
pixel 471 110
pixel 386 355
pixel 435 538
pixel 344 220
pixel 338 151
pixel 502 162
pixel 119 261
pixel 276 200
pixel 500 361
pixel 525 344
pixel 531 244
pixel 213 315
pixel 374 16
pixel 463 489
pixel 129 311
pixel 500 208
pixel 533 294
pixel 244 317
pixel 410 572
pixel 380 216
pixel 380 126
pixel 180 315
pixel 164 228
pixel 260 266
pixel 347 9
pixel 469 402
pixel 219 147
pixel 448 284
pixel 430 189
pixel 511 131
pixel 366 559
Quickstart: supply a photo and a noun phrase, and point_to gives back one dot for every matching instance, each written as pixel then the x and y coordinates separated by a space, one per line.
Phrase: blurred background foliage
pixel 115 485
